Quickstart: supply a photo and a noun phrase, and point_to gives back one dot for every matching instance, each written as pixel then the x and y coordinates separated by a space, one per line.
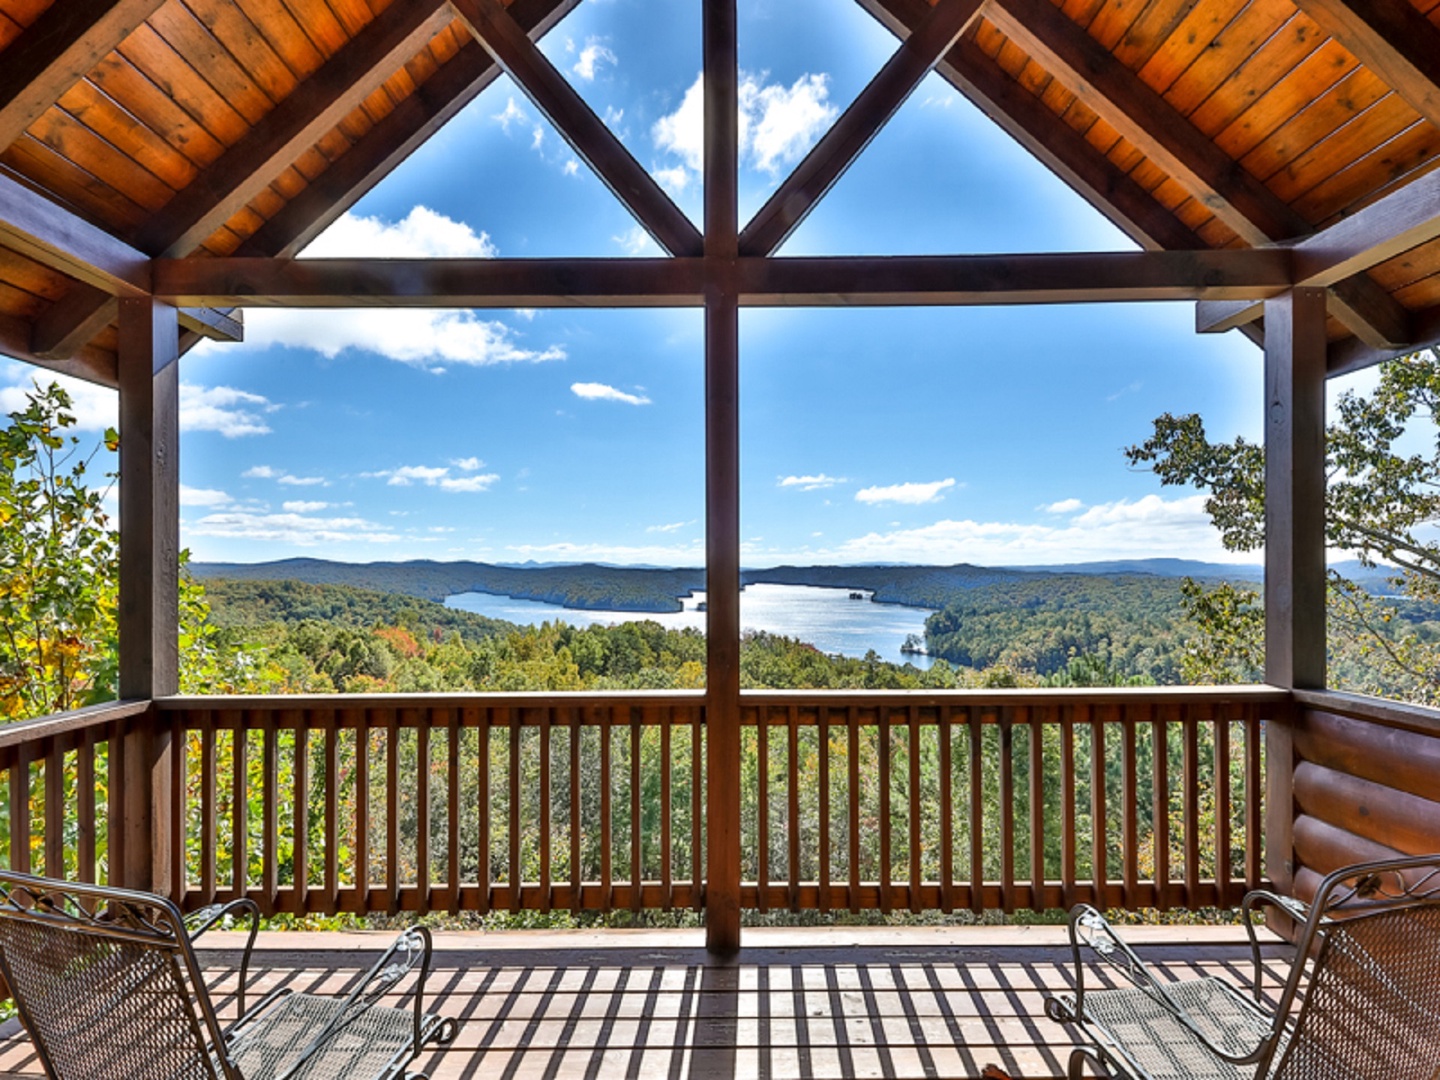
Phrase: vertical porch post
pixel 149 582
pixel 722 483
pixel 1295 349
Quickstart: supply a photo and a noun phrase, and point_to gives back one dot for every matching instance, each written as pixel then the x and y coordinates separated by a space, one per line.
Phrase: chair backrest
pixel 106 982
pixel 1372 1002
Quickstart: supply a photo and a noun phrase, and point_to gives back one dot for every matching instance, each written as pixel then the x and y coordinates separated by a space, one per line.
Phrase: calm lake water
pixel 826 618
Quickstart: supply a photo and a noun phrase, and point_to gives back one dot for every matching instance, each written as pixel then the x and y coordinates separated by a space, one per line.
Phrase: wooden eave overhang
pixel 138 137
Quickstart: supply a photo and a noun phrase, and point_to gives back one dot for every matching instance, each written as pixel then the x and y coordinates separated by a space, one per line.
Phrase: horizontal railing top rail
pixel 47 727
pixel 1396 714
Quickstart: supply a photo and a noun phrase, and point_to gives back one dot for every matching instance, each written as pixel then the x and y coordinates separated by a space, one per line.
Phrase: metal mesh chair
pixel 107 985
pixel 1364 1006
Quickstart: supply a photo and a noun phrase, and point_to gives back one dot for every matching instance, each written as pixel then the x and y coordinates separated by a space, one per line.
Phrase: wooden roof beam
pixel 934 35
pixel 1391 38
pixel 90 364
pixel 233 179
pixel 505 40
pixel 1353 354
pixel 56 51
pixel 56 237
pixel 826 282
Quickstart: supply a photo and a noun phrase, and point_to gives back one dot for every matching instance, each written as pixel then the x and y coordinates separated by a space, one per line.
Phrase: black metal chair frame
pixel 75 918
pixel 1363 891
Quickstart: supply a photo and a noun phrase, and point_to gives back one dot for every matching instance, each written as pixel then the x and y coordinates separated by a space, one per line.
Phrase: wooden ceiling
pixel 241 128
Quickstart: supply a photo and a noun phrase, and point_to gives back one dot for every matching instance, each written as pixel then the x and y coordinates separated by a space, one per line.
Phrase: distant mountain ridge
pixel 598 587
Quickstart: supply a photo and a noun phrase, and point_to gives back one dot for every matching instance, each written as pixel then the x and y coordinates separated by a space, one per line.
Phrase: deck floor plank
pixel 836 1003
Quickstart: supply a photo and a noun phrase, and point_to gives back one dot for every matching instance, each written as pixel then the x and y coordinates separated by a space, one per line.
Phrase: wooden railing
pixel 595 803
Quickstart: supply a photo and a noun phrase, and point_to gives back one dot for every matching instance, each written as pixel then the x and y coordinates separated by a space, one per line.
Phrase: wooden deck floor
pixel 898 1004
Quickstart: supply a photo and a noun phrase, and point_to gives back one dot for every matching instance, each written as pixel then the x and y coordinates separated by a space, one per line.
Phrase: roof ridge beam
pixel 1151 123
pixel 245 168
pixel 56 51
pixel 933 37
pixel 505 40
pixel 1391 38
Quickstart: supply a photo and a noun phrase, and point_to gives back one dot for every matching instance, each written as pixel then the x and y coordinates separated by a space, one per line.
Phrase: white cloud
pixel 811 483
pixel 421 234
pixel 290 480
pixel 593 391
pixel 467 464
pixel 614 117
pixel 301 506
pixel 571 167
pixel 592 56
pixel 637 242
pixel 190 496
pixel 911 494
pixel 479 482
pixel 511 114
pixel 692 554
pixel 260 472
pixel 672 527
pixel 290 528
pixel 406 475
pixel 231 412
pixel 537 138
pixel 778 124
pixel 95 408
pixel 674 180
pixel 408 335
pixel 1064 506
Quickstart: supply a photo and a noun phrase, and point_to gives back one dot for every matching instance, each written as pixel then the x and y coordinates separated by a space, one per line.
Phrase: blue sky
pixel 926 435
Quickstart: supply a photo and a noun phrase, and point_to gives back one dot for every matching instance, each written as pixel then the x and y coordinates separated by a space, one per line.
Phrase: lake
pixel 826 618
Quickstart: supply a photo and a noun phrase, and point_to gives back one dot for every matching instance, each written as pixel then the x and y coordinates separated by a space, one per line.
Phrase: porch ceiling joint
pixel 506 41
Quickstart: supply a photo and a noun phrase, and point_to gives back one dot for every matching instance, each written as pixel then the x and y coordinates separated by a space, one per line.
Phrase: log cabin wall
pixel 1366 783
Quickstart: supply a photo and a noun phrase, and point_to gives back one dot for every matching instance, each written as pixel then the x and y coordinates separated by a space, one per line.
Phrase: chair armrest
pixel 206 918
pixel 1297 910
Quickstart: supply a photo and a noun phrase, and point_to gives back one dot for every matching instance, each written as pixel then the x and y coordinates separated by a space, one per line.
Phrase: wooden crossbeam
pixel 55 237
pixel 215 324
pixel 91 364
pixel 577 123
pixel 233 179
pixel 1352 354
pixel 934 35
pixel 1391 38
pixel 828 282
pixel 415 119
pixel 56 51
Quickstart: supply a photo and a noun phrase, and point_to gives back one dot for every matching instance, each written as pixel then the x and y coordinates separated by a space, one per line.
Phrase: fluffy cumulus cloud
pixel 1064 506
pixel 94 407
pixel 592 56
pixel 268 472
pixel 191 496
pixel 910 494
pixel 636 241
pixel 423 338
pixel 233 413
pixel 594 391
pixel 420 234
pixel 290 528
pixel 467 464
pixel 810 483
pixel 438 476
pixel 778 124
pixel 303 506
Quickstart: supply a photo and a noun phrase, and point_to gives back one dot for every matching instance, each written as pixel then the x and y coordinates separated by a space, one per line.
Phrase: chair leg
pixel 1079 1058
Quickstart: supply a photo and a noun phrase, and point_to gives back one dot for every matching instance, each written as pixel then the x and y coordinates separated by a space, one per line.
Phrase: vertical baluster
pixel 637 861
pixel 1007 807
pixel 667 808
pixel 822 721
pixel 1069 766
pixel 697 790
pixel 362 807
pixel 607 836
pixel 916 871
pixel 545 809
pixel 331 833
pixel 85 814
pixel 517 719
pixel 392 810
pixel 852 722
pixel 977 811
pixel 1161 823
pixel 20 808
pixel 179 796
pixel 1037 807
pixel 239 802
pixel 422 719
pixel 1222 807
pixel 762 807
pixel 575 795
pixel 792 831
pixel 270 812
pixel 882 744
pixel 55 810
pixel 452 807
pixel 209 827
pixel 1254 808
pixel 487 717
pixel 1130 800
pixel 946 719
pixel 1099 860
pixel 301 823
pixel 1191 766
